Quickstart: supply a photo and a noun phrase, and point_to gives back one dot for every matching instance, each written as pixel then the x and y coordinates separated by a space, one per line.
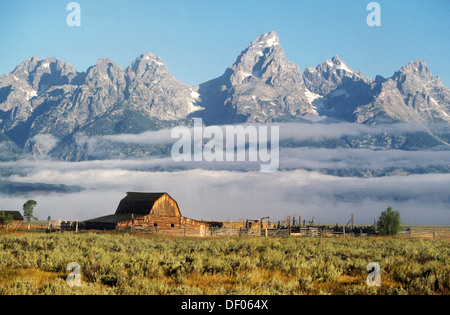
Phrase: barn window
pixel 155 225
pixel 172 225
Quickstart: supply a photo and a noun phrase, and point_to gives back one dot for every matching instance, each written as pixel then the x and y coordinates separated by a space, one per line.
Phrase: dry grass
pixel 11 276
pixel 128 264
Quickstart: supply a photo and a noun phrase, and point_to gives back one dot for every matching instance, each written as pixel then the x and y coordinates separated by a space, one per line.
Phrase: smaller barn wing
pixel 16 214
pixel 108 222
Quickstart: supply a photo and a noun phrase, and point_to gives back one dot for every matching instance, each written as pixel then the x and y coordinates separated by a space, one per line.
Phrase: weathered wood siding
pixel 166 207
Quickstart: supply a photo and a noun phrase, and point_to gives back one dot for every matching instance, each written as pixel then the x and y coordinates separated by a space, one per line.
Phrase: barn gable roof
pixel 16 214
pixel 138 203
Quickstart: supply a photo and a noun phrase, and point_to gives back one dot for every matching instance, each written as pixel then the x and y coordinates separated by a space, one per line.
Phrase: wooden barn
pixel 156 212
pixel 18 219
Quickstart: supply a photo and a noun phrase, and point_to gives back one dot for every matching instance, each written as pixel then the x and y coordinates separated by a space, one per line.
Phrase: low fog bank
pixel 223 195
pixel 237 190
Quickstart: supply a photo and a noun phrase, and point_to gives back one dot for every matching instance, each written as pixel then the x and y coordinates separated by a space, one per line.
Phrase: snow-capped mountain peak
pixel 50 97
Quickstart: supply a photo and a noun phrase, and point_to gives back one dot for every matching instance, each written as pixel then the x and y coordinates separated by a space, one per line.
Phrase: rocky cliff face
pixel 337 90
pixel 20 89
pixel 410 95
pixel 153 89
pixel 261 86
pixel 47 107
pixel 48 97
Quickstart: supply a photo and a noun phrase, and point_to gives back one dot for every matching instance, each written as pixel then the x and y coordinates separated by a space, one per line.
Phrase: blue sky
pixel 199 39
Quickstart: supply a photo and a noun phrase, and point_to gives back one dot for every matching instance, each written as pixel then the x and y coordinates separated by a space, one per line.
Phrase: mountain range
pixel 49 108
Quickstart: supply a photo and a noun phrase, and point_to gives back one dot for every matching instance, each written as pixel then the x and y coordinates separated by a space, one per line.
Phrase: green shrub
pixel 129 264
pixel 389 222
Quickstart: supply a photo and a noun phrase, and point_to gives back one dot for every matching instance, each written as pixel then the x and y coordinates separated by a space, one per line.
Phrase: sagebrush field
pixel 126 264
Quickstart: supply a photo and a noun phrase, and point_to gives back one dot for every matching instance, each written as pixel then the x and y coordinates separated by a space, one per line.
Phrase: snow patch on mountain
pixel 273 41
pixel 312 96
pixel 196 98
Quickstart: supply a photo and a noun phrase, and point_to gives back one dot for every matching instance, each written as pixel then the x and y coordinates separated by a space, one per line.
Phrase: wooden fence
pixel 195 232
pixel 426 232
pixel 236 229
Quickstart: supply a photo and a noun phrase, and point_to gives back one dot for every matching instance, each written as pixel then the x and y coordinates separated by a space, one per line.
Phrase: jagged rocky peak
pixel 417 77
pixel 103 65
pixel 265 43
pixel 418 68
pixel 41 74
pixel 50 97
pixel 415 74
pixel 332 67
pixel 339 64
pixel 149 60
pixel 333 76
pixel 411 94
pixel 262 46
pixel 23 70
pixel 33 64
pixel 30 80
pixel 105 72
pixel 263 59
pixel 262 85
pixel 149 68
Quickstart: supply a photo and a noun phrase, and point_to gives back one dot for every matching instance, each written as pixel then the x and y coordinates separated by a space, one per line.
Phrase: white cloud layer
pixel 220 195
pixel 221 191
pixel 294 131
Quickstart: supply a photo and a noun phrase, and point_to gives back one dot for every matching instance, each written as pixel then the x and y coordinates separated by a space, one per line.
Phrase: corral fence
pixel 321 231
pixel 426 232
pixel 258 228
pixel 232 229
pixel 195 232
pixel 309 231
pixel 186 231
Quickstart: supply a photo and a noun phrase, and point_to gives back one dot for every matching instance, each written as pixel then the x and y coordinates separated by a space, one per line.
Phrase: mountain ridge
pixel 49 97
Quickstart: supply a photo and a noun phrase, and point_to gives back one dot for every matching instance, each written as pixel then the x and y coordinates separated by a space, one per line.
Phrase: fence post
pixel 289 225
